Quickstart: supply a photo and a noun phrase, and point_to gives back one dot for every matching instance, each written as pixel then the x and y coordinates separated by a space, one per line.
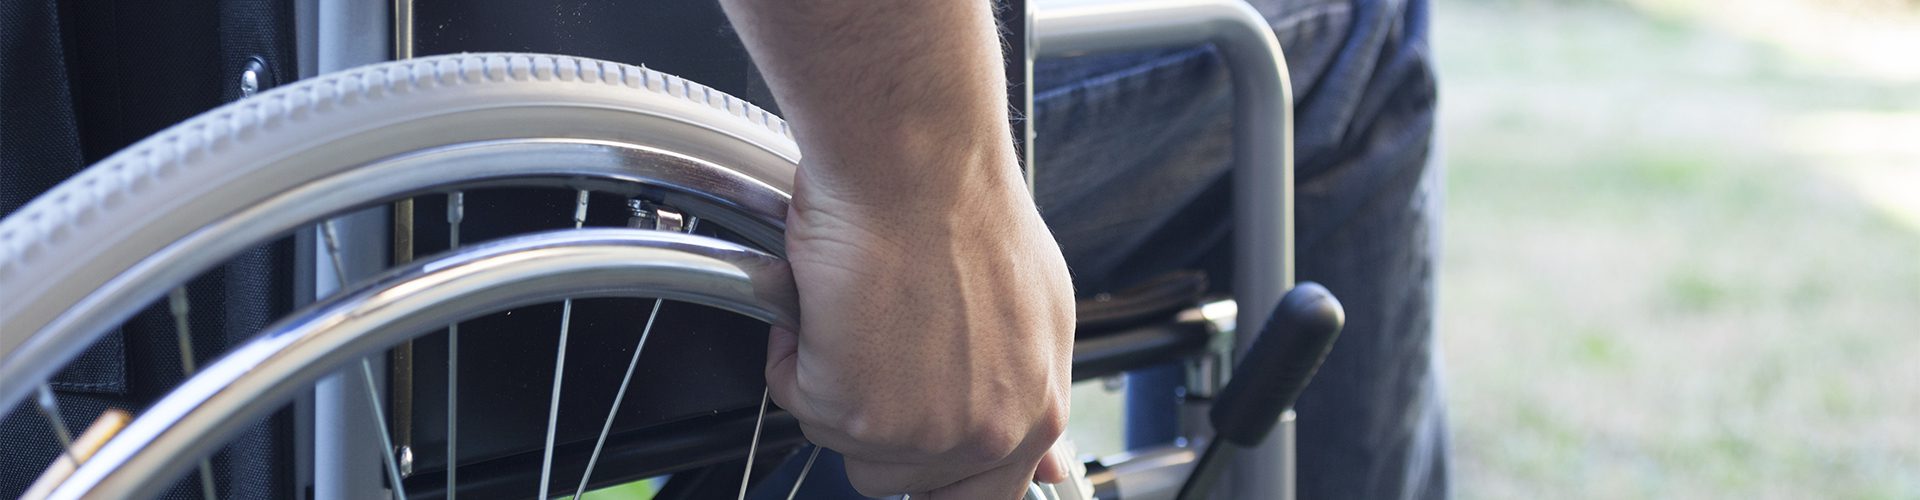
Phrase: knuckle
pixel 995 441
pixel 862 429
pixel 1053 423
pixel 889 432
pixel 990 442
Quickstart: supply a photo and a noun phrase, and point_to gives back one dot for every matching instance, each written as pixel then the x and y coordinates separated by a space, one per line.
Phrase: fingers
pixel 1053 466
pixel 823 425
pixel 882 465
pixel 876 478
pixel 783 370
pixel 783 385
pixel 1009 482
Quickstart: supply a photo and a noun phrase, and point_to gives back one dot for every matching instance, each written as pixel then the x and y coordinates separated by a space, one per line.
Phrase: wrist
pixel 916 185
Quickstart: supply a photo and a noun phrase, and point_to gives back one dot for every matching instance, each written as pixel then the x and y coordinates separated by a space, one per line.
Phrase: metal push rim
pixel 412 301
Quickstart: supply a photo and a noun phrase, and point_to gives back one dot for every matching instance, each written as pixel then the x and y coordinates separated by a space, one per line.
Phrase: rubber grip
pixel 1273 372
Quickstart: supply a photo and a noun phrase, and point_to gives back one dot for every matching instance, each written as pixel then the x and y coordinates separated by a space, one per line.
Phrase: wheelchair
pixel 677 194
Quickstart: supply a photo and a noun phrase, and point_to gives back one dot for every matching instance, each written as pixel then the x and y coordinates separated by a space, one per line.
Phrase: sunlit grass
pixel 1875 153
pixel 1680 257
pixel 637 490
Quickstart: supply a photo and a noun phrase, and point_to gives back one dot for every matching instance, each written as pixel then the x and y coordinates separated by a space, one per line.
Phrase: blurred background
pixel 1682 247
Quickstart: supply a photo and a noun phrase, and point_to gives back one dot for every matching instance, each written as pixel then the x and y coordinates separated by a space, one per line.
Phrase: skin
pixel 935 346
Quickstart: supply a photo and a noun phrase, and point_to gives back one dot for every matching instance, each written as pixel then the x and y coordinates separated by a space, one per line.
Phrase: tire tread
pixel 121 179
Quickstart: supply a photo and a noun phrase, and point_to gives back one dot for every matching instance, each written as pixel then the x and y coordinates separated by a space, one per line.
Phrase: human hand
pixel 936 334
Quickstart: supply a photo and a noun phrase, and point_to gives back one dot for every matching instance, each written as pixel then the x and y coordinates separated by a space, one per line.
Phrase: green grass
pixel 637 490
pixel 1656 282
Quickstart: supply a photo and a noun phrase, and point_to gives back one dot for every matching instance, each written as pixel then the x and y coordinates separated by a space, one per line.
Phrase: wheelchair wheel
pixel 87 255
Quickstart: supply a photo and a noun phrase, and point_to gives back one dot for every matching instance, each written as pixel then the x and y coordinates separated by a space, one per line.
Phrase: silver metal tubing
pixel 456 212
pixel 1262 149
pixel 753 206
pixel 410 301
pixel 1287 443
pixel 1263 112
pixel 1149 474
pixel 351 34
pixel 348 461
pixel 402 29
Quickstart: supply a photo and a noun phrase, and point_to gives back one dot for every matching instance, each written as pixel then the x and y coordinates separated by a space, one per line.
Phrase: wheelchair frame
pixel 338 35
pixel 348 34
pixel 1263 166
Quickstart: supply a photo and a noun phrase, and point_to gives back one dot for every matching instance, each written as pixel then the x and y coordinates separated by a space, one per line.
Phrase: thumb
pixel 1054 467
pixel 783 365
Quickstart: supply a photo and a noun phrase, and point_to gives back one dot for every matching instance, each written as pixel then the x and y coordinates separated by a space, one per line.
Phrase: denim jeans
pixel 1132 159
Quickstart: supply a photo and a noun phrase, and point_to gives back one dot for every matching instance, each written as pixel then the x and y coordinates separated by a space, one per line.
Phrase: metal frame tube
pixel 345 462
pixel 1262 149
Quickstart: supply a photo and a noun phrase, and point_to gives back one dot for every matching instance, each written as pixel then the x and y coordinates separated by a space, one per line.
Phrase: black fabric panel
pixel 253 29
pixel 228 308
pixel 29 442
pixel 38 138
pixel 99 370
pixel 241 470
pixel 688 39
pixel 140 67
pixel 40 145
pixel 80 80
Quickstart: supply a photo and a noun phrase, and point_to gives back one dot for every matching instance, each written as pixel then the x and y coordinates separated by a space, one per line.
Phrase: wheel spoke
pixel 380 422
pixel 206 479
pixel 621 394
pixel 804 469
pixel 178 305
pixel 331 239
pixel 754 447
pixel 50 408
pixel 456 212
pixel 560 363
pixel 553 408
pixel 607 427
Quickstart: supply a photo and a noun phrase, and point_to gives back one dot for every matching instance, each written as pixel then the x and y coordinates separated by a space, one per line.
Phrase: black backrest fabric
pixel 39 141
pixel 81 79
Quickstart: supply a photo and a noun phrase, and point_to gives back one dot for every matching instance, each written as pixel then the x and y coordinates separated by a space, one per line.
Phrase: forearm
pixel 896 104
pixel 936 312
